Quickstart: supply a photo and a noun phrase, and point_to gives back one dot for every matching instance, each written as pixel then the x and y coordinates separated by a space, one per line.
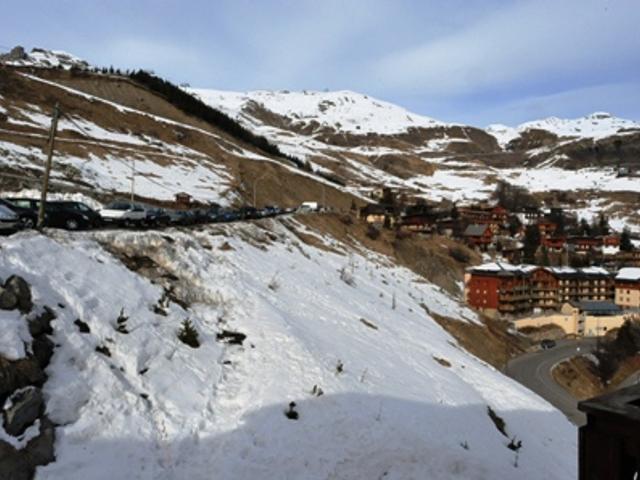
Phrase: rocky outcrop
pixel 20 464
pixel 16 293
pixel 22 409
pixel 20 394
pixel 20 289
pixel 16 53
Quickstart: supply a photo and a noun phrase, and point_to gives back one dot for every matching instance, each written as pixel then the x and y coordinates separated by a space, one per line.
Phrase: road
pixel 533 370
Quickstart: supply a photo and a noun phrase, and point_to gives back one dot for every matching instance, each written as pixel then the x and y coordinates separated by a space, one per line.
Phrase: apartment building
pixel 502 289
pixel 627 293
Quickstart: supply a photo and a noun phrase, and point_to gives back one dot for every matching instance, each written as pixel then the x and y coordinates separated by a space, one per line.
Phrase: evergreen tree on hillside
pixel 531 243
pixel 603 224
pixel 625 241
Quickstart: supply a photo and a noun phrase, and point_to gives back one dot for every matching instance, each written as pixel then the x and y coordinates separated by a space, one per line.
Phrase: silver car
pixel 9 221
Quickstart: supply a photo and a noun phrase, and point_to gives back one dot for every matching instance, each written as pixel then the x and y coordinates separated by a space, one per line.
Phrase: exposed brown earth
pixel 578 376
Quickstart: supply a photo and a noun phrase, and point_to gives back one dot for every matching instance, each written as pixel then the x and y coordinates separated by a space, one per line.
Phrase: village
pixel 543 266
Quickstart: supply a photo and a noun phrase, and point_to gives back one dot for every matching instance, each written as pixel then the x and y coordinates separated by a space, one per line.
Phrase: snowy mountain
pixel 343 111
pixel 39 57
pixel 381 390
pixel 596 126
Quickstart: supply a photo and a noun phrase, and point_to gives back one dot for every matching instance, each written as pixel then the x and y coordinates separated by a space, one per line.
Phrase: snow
pixel 217 411
pixel 39 57
pixel 20 442
pixel 596 126
pixel 629 273
pixel 14 334
pixel 343 110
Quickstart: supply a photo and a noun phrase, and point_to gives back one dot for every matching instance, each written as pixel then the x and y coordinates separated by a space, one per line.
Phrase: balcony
pixel 609 444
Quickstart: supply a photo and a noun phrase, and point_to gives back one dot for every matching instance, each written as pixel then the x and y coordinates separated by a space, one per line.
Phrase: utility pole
pixel 47 166
pixel 133 178
pixel 255 185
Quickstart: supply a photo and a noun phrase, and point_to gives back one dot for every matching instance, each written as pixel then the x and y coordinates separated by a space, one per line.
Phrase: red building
pixel 546 227
pixel 478 235
pixel 501 288
pixel 553 243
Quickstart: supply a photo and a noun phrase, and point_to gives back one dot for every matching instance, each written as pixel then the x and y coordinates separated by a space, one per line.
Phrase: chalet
pixel 610 241
pixel 183 200
pixel 553 243
pixel 584 245
pixel 529 215
pixel 496 217
pixel 546 227
pixel 478 235
pixel 376 214
pixel 498 288
pixel 628 288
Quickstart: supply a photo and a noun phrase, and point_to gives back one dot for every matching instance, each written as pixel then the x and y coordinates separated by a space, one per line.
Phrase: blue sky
pixel 473 61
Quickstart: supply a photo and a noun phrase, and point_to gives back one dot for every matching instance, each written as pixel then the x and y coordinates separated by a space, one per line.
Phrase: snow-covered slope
pixel 39 57
pixel 343 111
pixel 400 398
pixel 596 126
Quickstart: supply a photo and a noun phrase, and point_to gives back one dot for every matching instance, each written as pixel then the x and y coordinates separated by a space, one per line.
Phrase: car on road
pixel 226 216
pixel 9 220
pixel 58 214
pixel 547 344
pixel 181 217
pixel 248 213
pixel 94 218
pixel 27 217
pixel 125 214
pixel 157 217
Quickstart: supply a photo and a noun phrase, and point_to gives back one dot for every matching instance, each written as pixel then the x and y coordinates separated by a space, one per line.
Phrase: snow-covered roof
pixel 629 273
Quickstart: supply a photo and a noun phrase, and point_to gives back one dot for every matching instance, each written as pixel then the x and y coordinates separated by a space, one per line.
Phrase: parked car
pixel 27 217
pixel 157 217
pixel 306 207
pixel 547 343
pixel 95 220
pixel 9 220
pixel 57 214
pixel 270 211
pixel 124 213
pixel 226 216
pixel 181 217
pixel 248 213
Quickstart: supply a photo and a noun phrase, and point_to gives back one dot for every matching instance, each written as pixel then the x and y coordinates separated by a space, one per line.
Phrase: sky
pixel 470 61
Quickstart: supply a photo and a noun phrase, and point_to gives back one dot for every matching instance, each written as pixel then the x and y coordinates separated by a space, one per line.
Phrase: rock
pixel 8 301
pixel 21 464
pixel 83 327
pixel 42 350
pixel 21 289
pixel 16 53
pixel 41 324
pixel 25 406
pixel 17 374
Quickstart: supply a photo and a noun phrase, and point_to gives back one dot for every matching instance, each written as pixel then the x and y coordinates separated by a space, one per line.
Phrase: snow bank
pixel 157 409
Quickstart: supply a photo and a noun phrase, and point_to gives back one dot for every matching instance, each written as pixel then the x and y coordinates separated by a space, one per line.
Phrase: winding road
pixel 533 370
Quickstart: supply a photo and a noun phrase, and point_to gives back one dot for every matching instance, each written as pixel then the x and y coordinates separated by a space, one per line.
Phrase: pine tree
pixel 531 243
pixel 625 241
pixel 188 334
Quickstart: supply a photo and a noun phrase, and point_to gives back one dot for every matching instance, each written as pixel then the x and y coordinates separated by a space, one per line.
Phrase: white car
pixel 9 221
pixel 124 213
pixel 307 207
